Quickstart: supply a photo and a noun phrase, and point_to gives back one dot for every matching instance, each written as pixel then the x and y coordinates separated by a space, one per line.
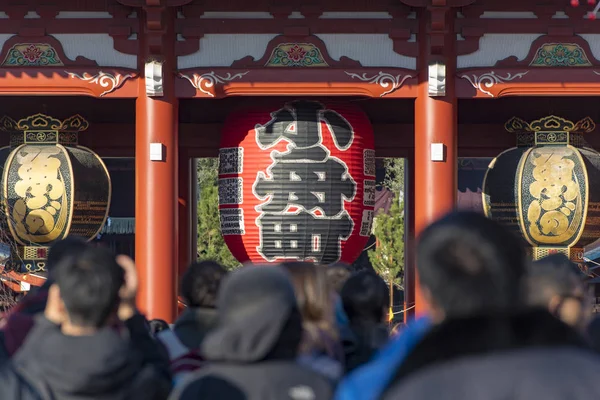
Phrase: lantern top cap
pixel 42 122
pixel 551 123
pixel 41 128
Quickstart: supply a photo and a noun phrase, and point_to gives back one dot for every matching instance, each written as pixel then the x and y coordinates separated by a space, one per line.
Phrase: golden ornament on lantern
pixel 51 186
pixel 548 187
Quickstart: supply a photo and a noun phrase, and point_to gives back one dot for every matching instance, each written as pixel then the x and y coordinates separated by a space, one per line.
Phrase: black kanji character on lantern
pixel 305 178
pixel 300 124
pixel 303 236
pixel 322 185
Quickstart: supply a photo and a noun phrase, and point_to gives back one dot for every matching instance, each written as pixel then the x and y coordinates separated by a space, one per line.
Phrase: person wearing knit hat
pixel 252 352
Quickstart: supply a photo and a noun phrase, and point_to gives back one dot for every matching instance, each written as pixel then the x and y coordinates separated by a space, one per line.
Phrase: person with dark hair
pixel 74 350
pixel 252 351
pixel 487 342
pixel 199 288
pixel 365 297
pixel 337 275
pixel 557 283
pixel 20 319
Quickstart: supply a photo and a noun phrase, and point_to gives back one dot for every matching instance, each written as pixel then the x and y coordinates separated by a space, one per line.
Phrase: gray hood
pixel 258 318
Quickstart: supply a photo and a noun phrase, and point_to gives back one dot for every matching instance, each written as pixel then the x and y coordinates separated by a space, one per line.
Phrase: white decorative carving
pixel 206 81
pixel 154 79
pixel 489 79
pixel 104 79
pixel 383 79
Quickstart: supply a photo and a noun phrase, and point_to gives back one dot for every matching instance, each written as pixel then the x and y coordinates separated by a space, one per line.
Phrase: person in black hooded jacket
pixel 252 351
pixel 78 350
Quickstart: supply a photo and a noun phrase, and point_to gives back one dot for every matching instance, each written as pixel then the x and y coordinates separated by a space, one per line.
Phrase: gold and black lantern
pixel 51 186
pixel 548 187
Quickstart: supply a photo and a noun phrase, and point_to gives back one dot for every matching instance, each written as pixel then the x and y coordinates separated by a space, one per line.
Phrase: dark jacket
pixel 530 355
pixel 193 325
pixel 20 319
pixel 13 386
pixel 106 365
pixel 368 338
pixel 251 354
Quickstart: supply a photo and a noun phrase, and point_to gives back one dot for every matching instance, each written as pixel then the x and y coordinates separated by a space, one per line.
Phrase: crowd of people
pixel 497 327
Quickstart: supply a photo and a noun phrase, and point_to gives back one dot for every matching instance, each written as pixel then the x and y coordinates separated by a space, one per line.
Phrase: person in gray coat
pixel 486 343
pixel 252 352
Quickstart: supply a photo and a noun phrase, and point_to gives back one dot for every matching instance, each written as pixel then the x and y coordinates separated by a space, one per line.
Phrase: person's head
pixel 337 274
pixel 366 298
pixel 258 318
pixel 69 246
pixel 316 302
pixel 86 290
pixel 158 325
pixel 200 284
pixel 557 284
pixel 470 265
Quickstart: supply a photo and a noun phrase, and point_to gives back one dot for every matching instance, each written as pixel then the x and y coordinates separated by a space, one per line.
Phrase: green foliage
pixel 208 171
pixel 388 256
pixel 211 245
pixel 394 174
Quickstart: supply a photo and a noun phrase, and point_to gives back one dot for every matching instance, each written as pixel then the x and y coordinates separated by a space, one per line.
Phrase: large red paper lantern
pixel 297 182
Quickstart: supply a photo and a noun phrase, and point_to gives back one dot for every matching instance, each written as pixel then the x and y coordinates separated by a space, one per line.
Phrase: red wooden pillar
pixel 435 123
pixel 409 242
pixel 187 204
pixel 156 181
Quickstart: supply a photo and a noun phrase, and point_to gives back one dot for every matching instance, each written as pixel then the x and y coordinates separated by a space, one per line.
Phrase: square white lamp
pixel 437 151
pixel 437 79
pixel 157 152
pixel 154 79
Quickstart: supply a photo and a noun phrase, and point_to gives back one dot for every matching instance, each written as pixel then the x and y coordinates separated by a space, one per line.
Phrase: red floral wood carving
pixel 41 51
pixel 296 51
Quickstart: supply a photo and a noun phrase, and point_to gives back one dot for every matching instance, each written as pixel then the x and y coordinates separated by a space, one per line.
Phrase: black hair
pixel 472 265
pixel 365 297
pixel 63 248
pixel 158 325
pixel 554 275
pixel 200 284
pixel 89 284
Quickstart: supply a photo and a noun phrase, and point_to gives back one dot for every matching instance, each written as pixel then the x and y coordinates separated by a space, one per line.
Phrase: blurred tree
pixel 387 258
pixel 211 245
pixel 394 175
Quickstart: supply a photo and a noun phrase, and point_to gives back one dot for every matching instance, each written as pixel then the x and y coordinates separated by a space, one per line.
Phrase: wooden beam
pixel 391 140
